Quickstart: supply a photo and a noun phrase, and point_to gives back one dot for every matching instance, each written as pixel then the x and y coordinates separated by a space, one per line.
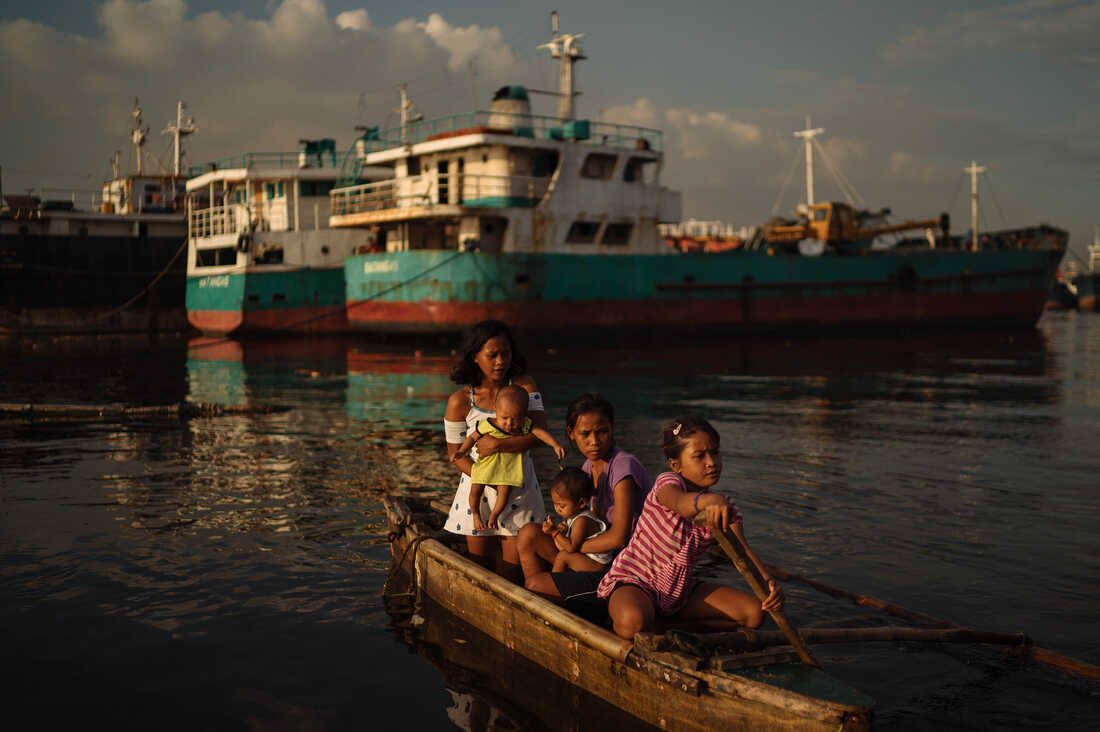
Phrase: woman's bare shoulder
pixel 458 404
pixel 526 382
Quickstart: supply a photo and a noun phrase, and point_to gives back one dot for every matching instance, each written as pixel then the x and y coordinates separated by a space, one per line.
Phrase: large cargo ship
pixel 261 256
pixel 552 222
pixel 108 261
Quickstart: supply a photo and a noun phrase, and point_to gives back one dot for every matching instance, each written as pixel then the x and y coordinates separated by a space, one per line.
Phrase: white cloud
pixel 697 135
pixel 354 20
pixel 251 83
pixel 1062 29
pixel 642 113
pixel 485 44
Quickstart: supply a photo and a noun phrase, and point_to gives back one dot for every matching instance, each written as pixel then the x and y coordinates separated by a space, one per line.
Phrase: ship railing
pixel 61 199
pixel 266 160
pixel 438 189
pixel 592 132
pixel 218 220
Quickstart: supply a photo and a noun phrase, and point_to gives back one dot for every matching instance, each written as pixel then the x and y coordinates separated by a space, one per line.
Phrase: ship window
pixel 269 254
pixel 278 297
pixel 274 190
pixel 820 214
pixel 618 233
pixel 215 257
pixel 582 232
pixel 546 162
pixel 598 165
pixel 414 166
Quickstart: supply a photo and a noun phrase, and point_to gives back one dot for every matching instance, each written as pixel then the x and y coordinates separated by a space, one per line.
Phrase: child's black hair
pixel 465 371
pixel 589 402
pixel 675 434
pixel 574 483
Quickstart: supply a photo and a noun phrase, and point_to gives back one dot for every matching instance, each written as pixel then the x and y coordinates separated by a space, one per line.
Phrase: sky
pixel 908 93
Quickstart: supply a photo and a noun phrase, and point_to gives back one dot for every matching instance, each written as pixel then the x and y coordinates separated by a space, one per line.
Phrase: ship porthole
pixel 324 249
pixel 906 278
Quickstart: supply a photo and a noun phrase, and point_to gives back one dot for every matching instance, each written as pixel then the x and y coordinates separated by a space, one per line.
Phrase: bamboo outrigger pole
pixel 1039 655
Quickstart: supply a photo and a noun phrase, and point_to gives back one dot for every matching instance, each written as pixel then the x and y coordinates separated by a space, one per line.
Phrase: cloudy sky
pixel 908 93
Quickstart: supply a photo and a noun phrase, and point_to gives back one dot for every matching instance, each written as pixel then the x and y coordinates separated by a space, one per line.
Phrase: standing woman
pixel 488 360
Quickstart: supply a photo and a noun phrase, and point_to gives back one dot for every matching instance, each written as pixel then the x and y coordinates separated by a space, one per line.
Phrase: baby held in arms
pixel 502 470
pixel 571 493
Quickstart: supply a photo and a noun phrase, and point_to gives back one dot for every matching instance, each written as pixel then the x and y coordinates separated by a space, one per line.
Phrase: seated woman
pixel 620 484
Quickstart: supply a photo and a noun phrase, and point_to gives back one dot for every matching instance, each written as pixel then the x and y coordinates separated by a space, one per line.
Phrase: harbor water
pixel 226 572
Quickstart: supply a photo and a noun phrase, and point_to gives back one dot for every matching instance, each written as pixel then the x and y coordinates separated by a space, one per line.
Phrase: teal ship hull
pixel 440 291
pixel 301 300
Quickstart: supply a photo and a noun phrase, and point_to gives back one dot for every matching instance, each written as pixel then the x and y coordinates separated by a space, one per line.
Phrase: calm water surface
pixel 226 572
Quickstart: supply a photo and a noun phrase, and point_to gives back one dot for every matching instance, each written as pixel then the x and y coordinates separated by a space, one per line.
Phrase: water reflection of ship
pixel 399 394
pixel 1019 352
pixel 495 688
pixel 220 370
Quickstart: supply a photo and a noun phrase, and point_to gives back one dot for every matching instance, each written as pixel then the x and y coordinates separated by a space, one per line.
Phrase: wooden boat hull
pixel 609 667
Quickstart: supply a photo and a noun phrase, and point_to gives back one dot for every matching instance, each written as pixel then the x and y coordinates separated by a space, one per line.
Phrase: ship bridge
pixel 465 180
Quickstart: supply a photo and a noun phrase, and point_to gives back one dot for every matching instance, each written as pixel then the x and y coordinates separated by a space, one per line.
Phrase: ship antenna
pixel 808 136
pixel 408 116
pixel 974 169
pixel 137 136
pixel 568 48
pixel 178 130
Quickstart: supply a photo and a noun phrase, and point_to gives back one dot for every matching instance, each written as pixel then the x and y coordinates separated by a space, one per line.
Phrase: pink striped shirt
pixel 661 556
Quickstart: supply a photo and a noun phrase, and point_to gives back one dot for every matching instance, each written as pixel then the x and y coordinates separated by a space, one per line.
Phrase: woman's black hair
pixel 574 483
pixel 466 371
pixel 589 402
pixel 675 434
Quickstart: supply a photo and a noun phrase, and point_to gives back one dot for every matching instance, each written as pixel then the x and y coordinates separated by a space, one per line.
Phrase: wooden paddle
pixel 735 549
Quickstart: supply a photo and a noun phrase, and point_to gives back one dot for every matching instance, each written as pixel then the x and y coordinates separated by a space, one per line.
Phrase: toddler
pixel 501 470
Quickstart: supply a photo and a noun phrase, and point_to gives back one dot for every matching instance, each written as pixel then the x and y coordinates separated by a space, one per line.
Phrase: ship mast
pixel 406 109
pixel 179 129
pixel 808 136
pixel 974 169
pixel 137 136
pixel 568 48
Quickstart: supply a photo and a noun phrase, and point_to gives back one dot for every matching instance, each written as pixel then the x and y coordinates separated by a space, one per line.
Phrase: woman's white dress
pixel 525 504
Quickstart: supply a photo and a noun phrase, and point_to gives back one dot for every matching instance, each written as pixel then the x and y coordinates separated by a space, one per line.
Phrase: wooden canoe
pixel 669 690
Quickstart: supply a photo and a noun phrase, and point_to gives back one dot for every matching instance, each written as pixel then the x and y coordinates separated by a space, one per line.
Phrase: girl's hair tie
pixel 676 429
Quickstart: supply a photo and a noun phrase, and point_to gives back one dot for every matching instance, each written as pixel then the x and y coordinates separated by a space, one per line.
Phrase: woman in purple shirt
pixel 621 485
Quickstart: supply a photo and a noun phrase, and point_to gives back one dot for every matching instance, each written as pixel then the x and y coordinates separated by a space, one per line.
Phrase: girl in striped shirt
pixel 654 576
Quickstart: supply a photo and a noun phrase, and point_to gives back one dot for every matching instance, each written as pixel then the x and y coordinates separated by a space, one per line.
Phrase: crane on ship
pixel 842 226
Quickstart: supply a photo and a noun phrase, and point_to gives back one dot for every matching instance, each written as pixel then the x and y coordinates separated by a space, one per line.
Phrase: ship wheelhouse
pixel 261 255
pixel 506 180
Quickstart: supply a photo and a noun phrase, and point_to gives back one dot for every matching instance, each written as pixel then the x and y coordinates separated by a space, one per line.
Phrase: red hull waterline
pixel 1020 309
pixel 332 319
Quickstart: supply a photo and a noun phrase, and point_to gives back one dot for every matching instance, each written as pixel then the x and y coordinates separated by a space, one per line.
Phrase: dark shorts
pixel 578 592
